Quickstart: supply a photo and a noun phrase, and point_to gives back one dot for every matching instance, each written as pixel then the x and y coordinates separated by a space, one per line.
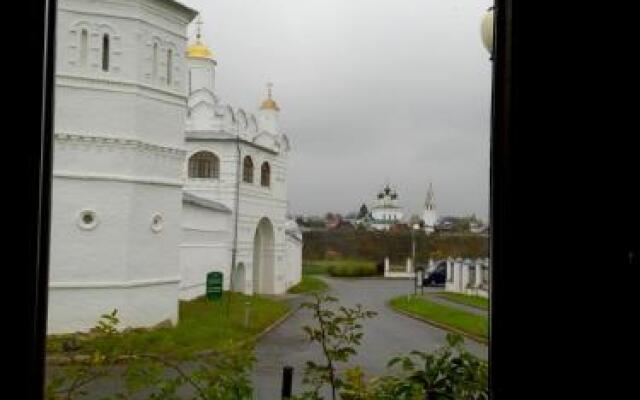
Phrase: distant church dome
pixel 269 103
pixel 199 49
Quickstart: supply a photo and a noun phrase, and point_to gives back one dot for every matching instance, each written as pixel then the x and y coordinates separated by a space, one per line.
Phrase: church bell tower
pixel 429 216
pixel 269 112
pixel 202 64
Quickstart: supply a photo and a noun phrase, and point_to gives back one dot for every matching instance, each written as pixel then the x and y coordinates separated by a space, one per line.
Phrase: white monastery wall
pixel 118 154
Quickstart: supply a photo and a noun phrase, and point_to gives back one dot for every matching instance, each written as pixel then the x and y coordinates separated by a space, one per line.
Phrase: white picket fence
pixel 468 276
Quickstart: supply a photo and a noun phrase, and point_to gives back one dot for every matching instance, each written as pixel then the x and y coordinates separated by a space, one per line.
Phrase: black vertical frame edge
pixel 500 182
pixel 43 35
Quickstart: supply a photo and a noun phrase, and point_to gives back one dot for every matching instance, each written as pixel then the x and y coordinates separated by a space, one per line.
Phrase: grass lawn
pixel 473 301
pixel 309 284
pixel 476 325
pixel 203 325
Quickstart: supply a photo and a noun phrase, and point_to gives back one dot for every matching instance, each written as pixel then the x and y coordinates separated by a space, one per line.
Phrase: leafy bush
pixel 353 269
pixel 449 373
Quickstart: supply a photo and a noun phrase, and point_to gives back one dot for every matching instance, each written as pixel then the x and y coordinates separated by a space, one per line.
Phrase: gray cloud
pixel 370 91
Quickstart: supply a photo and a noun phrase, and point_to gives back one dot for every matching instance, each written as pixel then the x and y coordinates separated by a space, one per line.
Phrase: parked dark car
pixel 436 277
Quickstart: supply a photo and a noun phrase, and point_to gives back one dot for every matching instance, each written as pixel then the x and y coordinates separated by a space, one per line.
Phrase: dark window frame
pixel 204 164
pixel 247 169
pixel 106 52
pixel 84 47
pixel 265 174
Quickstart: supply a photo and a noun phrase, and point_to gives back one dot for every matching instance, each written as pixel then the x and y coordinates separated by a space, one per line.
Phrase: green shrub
pixel 353 268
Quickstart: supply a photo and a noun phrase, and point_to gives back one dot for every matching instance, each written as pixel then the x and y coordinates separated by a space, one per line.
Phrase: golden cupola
pixel 199 49
pixel 269 103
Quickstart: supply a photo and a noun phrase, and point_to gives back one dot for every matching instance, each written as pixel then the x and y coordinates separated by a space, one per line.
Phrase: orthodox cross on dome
pixel 269 89
pixel 199 28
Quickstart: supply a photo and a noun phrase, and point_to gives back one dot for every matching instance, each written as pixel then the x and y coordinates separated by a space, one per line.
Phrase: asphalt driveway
pixel 385 336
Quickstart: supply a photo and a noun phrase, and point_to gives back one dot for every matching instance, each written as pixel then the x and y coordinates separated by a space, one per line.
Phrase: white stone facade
pixel 130 230
pixel 231 136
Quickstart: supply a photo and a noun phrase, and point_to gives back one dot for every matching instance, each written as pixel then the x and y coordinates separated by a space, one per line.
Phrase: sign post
pixel 214 285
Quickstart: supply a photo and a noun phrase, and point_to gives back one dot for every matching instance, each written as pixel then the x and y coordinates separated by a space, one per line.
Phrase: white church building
pixel 386 211
pixel 157 181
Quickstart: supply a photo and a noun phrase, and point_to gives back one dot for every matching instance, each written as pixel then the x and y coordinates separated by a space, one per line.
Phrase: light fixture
pixel 486 29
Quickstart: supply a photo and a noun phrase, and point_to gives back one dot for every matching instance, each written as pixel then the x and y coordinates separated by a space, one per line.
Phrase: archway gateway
pixel 263 257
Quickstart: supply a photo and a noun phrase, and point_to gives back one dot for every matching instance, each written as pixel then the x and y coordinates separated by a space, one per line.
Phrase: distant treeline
pixel 374 246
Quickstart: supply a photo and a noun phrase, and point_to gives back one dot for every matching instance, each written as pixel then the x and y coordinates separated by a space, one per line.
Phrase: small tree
pixel 337 332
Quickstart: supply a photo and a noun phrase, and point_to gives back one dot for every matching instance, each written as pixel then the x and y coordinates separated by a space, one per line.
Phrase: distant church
pixel 429 215
pixel 386 212
pixel 157 181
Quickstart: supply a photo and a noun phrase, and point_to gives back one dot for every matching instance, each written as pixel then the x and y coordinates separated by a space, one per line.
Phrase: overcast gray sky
pixel 371 91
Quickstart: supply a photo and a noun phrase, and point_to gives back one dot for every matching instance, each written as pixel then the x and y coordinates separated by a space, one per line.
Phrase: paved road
pixel 385 336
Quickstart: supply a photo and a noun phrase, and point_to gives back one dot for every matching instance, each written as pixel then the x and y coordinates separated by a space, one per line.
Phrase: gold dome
pixel 199 50
pixel 269 103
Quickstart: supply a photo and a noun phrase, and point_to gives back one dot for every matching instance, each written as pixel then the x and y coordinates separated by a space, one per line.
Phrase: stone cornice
pixel 118 178
pixel 118 141
pixel 120 85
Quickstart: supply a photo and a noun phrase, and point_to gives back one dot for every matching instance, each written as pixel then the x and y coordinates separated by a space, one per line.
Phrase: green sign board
pixel 214 285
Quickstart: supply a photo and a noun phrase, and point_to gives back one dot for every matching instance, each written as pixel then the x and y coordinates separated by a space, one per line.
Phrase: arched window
pixel 155 63
pixel 105 52
pixel 84 47
pixel 247 170
pixel 169 66
pixel 204 164
pixel 265 175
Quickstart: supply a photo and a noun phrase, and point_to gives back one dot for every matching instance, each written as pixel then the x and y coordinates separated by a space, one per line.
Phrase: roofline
pixel 185 8
pixel 233 139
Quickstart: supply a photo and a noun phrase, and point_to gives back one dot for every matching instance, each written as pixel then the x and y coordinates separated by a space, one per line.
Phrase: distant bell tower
pixel 269 112
pixel 429 216
pixel 201 85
